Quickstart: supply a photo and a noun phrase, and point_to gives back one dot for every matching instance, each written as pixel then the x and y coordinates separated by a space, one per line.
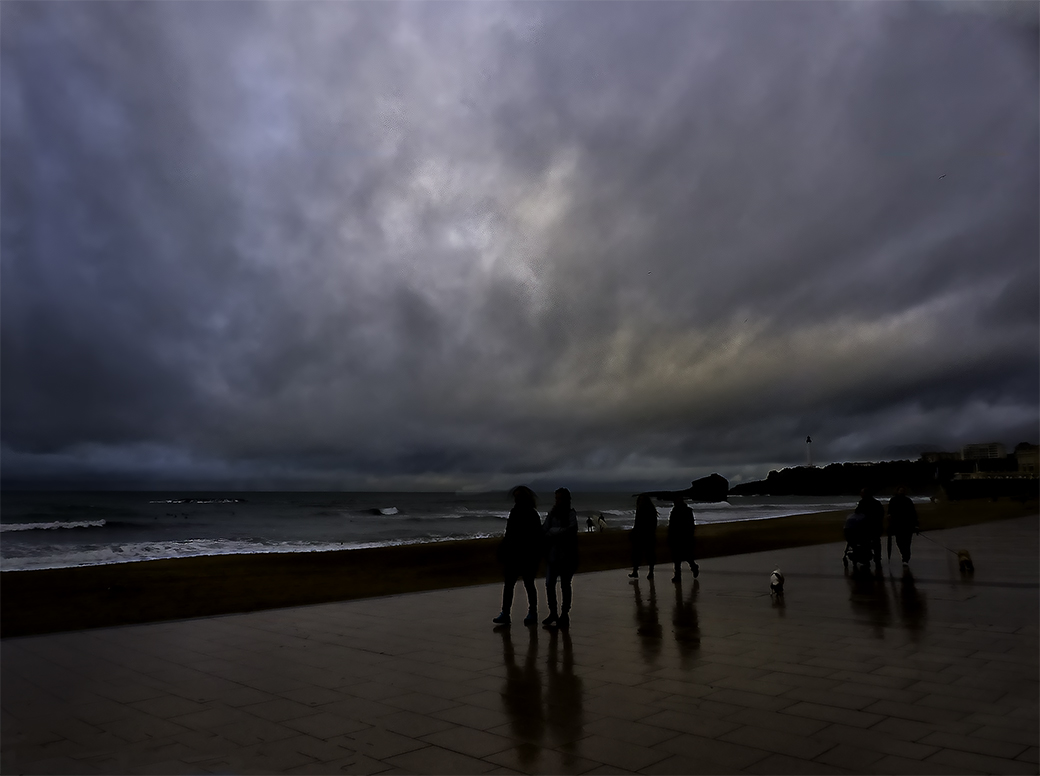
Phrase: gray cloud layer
pixel 448 245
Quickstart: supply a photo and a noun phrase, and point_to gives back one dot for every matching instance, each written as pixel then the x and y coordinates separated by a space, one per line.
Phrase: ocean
pixel 41 530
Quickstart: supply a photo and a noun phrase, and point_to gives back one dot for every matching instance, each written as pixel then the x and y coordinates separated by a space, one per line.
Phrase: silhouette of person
pixel 522 697
pixel 648 626
pixel 561 532
pixel 521 553
pixel 684 621
pixel 563 699
pixel 589 525
pixel 871 508
pixel 681 537
pixel 902 523
pixel 643 536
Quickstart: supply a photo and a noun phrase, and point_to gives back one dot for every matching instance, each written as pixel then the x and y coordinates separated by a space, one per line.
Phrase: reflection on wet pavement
pixel 648 624
pixel 522 695
pixel 913 608
pixel 868 596
pixel 537 711
pixel 563 697
pixel 684 621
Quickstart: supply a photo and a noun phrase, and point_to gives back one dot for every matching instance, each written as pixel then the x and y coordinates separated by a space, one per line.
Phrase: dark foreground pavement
pixel 922 672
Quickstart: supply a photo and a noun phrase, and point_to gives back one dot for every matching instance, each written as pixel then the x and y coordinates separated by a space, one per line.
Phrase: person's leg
pixel 507 597
pixel 903 543
pixel 651 557
pixel 565 584
pixel 550 593
pixel 532 599
pixel 507 591
pixel 635 558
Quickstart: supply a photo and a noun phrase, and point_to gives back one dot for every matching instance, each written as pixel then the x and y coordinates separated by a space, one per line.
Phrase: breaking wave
pixel 53 525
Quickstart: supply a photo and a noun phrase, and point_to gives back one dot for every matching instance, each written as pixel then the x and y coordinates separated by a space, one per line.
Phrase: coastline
pixel 53 600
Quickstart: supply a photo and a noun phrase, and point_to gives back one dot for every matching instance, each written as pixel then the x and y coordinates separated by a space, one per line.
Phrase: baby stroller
pixel 857 542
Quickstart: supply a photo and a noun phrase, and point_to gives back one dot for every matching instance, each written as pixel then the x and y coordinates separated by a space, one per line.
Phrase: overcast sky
pixel 466 245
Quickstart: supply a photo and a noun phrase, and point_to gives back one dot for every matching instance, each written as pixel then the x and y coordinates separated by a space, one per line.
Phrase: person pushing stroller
pixel 863 530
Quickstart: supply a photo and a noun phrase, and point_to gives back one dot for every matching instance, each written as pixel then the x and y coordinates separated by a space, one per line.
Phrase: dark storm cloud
pixel 447 245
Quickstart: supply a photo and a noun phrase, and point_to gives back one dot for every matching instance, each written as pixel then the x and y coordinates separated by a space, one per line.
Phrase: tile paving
pixel 926 672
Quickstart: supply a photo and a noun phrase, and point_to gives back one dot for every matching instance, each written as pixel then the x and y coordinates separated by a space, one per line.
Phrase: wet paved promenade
pixel 921 673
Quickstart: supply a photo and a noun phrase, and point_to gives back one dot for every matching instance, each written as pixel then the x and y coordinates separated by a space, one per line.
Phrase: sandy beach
pixel 52 600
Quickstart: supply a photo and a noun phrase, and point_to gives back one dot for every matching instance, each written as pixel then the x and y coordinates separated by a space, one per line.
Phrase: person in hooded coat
pixel 521 553
pixel 681 537
pixel 643 536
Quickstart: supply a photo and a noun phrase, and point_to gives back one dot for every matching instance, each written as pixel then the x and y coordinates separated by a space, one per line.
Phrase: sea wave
pixel 105 555
pixel 52 525
pixel 199 501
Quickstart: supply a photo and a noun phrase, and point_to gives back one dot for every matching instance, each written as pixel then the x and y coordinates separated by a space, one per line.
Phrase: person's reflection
pixel 648 626
pixel 522 696
pixel 868 597
pixel 684 621
pixel 563 698
pixel 912 606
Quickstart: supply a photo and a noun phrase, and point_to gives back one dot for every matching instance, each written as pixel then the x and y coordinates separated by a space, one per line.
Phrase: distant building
pixel 983 451
pixel 1027 456
pixel 936 456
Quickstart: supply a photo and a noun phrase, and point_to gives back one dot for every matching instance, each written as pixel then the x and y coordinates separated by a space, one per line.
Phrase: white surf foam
pixel 51 526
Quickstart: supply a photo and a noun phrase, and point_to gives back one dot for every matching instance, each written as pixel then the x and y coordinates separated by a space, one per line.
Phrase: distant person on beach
pixel 871 508
pixel 589 526
pixel 643 536
pixel 902 523
pixel 681 537
pixel 521 553
pixel 561 533
pixel 601 522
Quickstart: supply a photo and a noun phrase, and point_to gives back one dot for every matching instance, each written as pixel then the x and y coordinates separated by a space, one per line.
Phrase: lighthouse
pixel 808 450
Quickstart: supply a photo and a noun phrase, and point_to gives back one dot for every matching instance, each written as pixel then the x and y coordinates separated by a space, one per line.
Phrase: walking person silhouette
pixel 561 532
pixel 644 535
pixel 902 523
pixel 681 537
pixel 521 553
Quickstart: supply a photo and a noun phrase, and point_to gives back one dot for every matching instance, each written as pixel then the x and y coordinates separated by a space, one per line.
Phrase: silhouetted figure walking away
pixel 521 553
pixel 871 508
pixel 681 537
pixel 643 536
pixel 902 523
pixel 561 533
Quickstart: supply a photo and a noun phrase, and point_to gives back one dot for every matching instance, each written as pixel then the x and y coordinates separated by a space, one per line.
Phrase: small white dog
pixel 776 582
